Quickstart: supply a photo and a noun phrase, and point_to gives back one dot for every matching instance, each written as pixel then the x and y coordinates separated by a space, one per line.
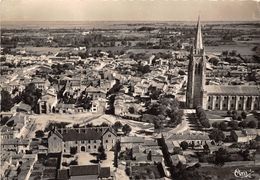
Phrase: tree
pixel 242 124
pixel 126 129
pixel 233 53
pixel 206 147
pixel 4 120
pixel 157 124
pixel 233 124
pixel 234 112
pixel 117 150
pixel 215 125
pixel 205 123
pixel 246 155
pixel 243 115
pixel 229 113
pixel 31 95
pixel 117 125
pixel 116 158
pixel 223 126
pixel 6 101
pixel 217 135
pixel 234 117
pixel 214 61
pixel 225 53
pixel 10 123
pixel 184 145
pixel 101 153
pixel 104 124
pixel 131 110
pixel 252 124
pixel 221 156
pixel 73 150
pixel 75 125
pixel 118 145
pixel 39 134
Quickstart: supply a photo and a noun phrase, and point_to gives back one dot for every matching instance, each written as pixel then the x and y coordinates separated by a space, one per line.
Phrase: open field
pixel 243 49
pixel 42 50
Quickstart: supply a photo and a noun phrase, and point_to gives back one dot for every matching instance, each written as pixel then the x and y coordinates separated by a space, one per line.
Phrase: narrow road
pixel 184 125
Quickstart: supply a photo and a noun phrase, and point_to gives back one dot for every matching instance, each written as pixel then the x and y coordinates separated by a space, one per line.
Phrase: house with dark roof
pixel 92 172
pixel 86 139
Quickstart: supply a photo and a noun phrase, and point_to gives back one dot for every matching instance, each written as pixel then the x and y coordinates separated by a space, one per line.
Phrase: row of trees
pixel 125 128
pixel 235 115
pixel 202 117
pixel 234 125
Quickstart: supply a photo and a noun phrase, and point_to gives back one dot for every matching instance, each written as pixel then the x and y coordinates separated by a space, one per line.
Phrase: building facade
pixel 215 97
pixel 83 139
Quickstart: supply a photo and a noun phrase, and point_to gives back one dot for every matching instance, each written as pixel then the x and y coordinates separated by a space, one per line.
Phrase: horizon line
pixel 3 21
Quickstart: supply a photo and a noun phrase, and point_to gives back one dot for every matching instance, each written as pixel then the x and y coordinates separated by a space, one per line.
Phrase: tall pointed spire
pixel 198 39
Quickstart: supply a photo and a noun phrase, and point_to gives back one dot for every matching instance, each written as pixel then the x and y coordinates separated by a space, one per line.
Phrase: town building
pixel 86 139
pixel 78 172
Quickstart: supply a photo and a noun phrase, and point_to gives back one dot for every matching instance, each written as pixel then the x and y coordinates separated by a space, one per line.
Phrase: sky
pixel 129 10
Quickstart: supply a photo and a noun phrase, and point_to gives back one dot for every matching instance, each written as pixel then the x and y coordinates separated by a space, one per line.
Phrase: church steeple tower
pixel 198 45
pixel 196 72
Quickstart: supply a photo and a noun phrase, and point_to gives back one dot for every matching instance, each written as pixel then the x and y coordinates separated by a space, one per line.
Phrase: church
pixel 215 97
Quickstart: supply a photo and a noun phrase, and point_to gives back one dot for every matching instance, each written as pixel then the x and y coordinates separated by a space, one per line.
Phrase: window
pixel 217 105
pixel 95 141
pixel 225 97
pixel 224 105
pixel 217 97
pixel 232 105
pixel 95 147
pixel 82 142
pixel 106 141
pixel 233 97
pixel 208 107
pixel 241 98
pixel 239 105
pixel 89 147
pixel 109 135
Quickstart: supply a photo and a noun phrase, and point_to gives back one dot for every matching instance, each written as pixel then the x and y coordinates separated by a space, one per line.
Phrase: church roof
pixel 233 90
pixel 73 135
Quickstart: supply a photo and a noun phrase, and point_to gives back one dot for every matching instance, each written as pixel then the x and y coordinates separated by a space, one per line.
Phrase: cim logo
pixel 243 173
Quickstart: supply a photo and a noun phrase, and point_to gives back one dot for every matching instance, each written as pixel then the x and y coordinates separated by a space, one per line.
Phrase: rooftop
pixel 233 90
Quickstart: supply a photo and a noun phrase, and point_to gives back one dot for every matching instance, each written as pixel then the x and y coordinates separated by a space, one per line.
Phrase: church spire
pixel 198 39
